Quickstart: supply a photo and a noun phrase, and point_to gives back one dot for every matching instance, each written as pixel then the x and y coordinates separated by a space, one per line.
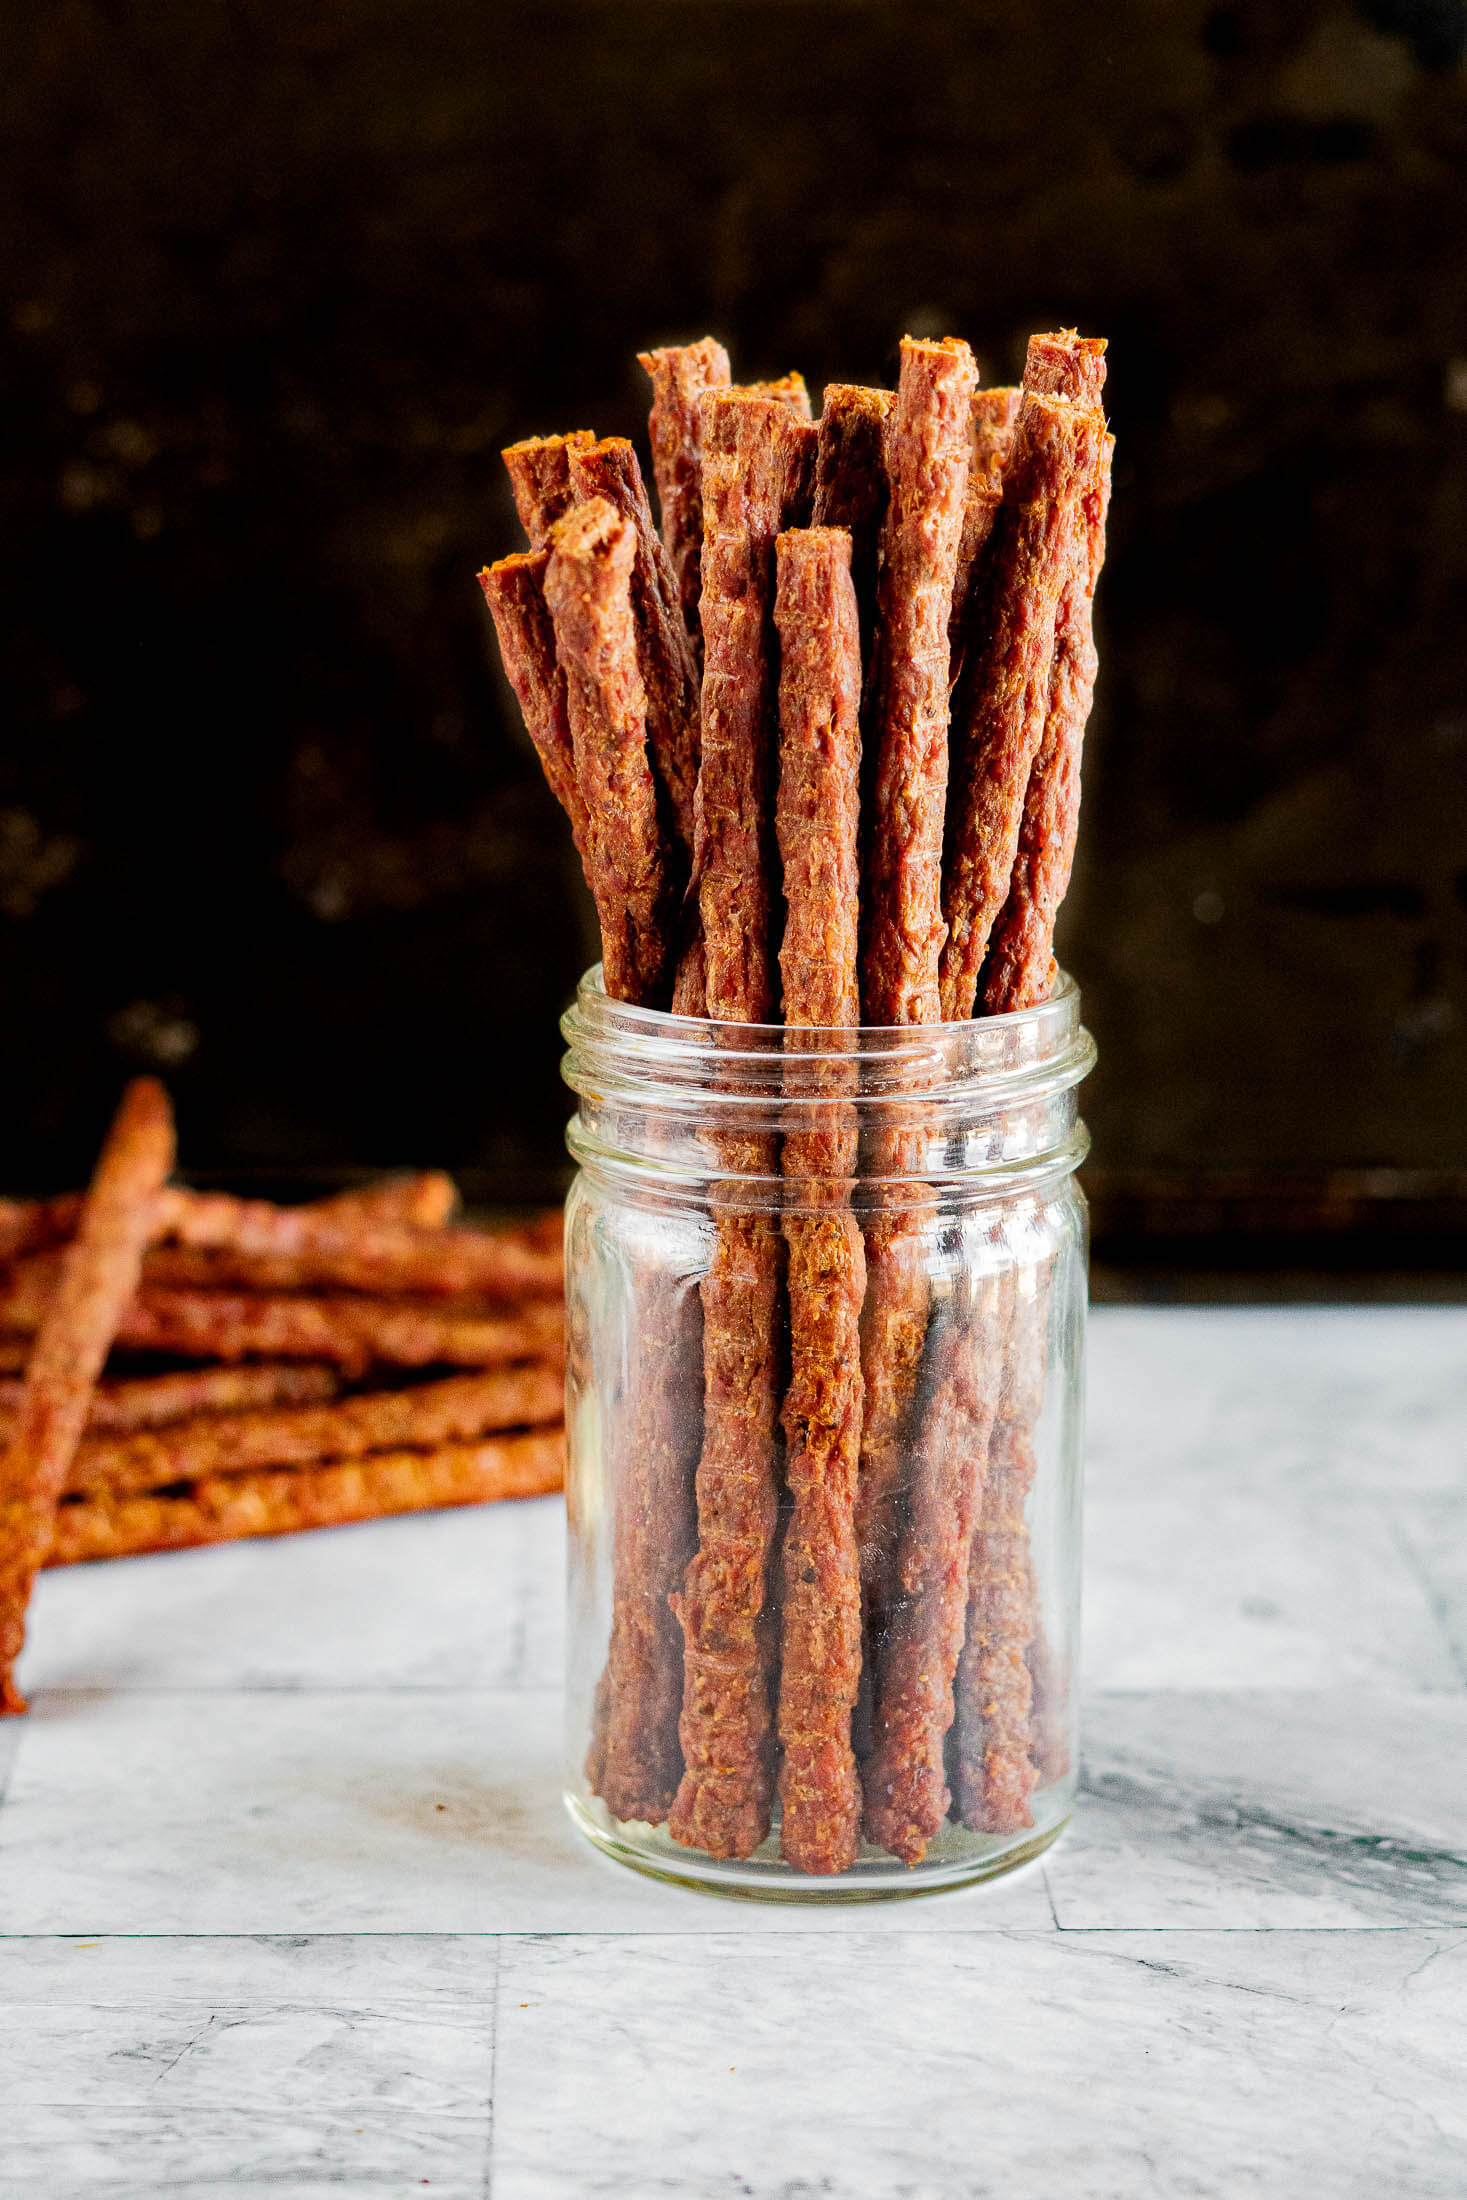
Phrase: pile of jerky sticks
pixel 852 674
pixel 183 1367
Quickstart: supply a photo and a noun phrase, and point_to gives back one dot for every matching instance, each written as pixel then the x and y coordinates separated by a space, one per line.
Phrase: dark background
pixel 277 283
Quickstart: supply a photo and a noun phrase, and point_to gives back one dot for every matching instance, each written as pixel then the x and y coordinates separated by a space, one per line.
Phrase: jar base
pixel 956 1858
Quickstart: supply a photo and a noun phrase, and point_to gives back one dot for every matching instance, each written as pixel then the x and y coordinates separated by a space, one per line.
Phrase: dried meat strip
pixel 683 377
pixel 905 1782
pixel 456 1410
pixel 1063 364
pixel 817 817
pixel 539 476
pixel 992 422
pixel 907 711
pixel 588 589
pixel 98 1276
pixel 757 480
pixel 609 469
pixel 851 485
pixel 788 390
pixel 514 589
pixel 1055 454
pixel 994 1769
pixel 224 1508
pixel 1020 970
pixel 757 475
pixel 995 1775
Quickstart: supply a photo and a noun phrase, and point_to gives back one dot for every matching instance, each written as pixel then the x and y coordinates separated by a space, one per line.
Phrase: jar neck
pixel 875 1114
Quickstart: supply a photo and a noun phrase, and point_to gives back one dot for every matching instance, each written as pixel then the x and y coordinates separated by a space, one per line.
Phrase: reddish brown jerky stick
pixel 539 475
pixel 992 421
pixel 99 1274
pixel 850 483
pixel 683 377
pixel 427 1200
pixel 514 589
pixel 122 1406
pixel 789 390
pixel 995 1777
pixel 588 589
pixel 14 1352
pixel 817 819
pixel 454 1411
pixel 635 1760
pixel 757 476
pixel 927 463
pixel 236 1506
pixel 30 1225
pixel 355 1252
pixel 1055 454
pixel 1066 365
pixel 906 1787
pixel 1020 970
pixel 609 469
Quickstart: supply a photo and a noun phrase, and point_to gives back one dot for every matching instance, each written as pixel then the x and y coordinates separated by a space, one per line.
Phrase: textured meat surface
pixel 683 377
pixel 98 1275
pixel 514 589
pixel 787 389
pixel 818 820
pixel 1055 453
pixel 757 478
pixel 588 589
pixel 635 1760
pixel 905 1783
pixel 224 1509
pixel 907 712
pixel 539 477
pixel 992 421
pixel 850 484
pixel 453 1411
pixel 609 469
pixel 1020 970
pixel 1063 364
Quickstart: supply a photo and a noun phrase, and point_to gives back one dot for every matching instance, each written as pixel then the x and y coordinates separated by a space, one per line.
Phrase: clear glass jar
pixel 826 1310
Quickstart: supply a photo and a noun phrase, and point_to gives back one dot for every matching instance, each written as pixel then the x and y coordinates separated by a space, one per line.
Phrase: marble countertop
pixel 288 1901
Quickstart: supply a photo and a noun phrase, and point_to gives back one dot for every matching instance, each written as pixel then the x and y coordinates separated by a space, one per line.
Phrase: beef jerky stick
pixel 14 1352
pixel 99 1274
pixel 539 475
pixel 453 1411
pixel 993 1772
pixel 817 819
pixel 789 390
pixel 1020 970
pixel 992 421
pixel 756 481
pixel 906 1787
pixel 1066 365
pixel 349 1332
pixel 683 377
pixel 588 588
pixel 609 469
pixel 850 483
pixel 30 1225
pixel 514 589
pixel 382 1258
pixel 1055 454
pixel 906 711
pixel 927 464
pixel 122 1405
pixel 229 1507
pixel 427 1200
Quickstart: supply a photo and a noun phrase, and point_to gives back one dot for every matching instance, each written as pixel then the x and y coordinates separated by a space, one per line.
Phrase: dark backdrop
pixel 278 283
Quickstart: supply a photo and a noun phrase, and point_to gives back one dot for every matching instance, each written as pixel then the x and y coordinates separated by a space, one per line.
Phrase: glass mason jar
pixel 825 1313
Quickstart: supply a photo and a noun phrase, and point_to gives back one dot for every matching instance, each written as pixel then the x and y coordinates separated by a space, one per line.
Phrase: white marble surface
pixel 287 1901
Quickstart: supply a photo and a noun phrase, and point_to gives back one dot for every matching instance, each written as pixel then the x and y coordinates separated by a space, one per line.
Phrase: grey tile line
pixel 664 1932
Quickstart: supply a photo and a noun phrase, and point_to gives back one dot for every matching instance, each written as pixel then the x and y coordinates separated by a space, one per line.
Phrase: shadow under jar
pixel 826 1301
